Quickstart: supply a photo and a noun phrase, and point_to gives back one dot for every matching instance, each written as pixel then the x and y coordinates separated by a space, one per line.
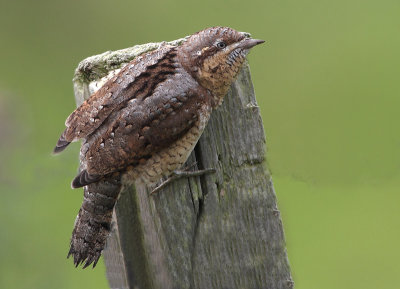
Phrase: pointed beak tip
pixel 250 42
pixel 256 42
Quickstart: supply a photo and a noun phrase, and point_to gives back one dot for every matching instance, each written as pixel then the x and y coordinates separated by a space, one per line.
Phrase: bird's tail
pixel 93 223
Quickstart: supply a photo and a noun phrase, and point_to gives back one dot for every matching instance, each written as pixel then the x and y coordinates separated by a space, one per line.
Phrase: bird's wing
pixel 131 82
pixel 145 126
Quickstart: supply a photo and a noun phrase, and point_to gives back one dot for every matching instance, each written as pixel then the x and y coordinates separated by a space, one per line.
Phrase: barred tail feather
pixel 93 223
pixel 83 179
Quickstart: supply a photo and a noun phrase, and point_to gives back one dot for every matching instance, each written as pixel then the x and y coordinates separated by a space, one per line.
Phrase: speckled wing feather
pixel 157 117
pixel 111 96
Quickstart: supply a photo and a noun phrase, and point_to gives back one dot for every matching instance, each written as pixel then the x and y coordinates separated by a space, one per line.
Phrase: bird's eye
pixel 221 44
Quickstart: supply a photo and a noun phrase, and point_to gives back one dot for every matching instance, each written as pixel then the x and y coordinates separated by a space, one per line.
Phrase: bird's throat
pixel 217 76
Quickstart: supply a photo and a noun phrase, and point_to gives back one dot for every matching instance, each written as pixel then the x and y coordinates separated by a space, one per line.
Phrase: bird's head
pixel 215 55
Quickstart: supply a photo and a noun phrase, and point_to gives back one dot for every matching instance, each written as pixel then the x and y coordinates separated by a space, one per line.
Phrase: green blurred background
pixel 327 82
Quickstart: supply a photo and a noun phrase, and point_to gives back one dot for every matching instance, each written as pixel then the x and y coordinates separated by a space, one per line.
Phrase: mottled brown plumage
pixel 143 123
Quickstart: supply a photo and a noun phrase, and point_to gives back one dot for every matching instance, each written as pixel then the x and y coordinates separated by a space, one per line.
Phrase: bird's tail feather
pixel 93 223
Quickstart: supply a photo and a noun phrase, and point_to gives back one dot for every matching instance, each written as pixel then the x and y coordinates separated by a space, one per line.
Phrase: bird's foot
pixel 177 174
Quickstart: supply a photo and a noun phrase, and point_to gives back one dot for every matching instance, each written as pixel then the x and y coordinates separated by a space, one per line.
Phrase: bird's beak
pixel 248 43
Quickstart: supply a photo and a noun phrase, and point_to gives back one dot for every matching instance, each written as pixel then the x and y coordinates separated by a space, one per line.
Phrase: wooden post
pixel 220 230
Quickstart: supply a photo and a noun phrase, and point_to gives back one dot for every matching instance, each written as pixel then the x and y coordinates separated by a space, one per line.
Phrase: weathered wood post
pixel 220 230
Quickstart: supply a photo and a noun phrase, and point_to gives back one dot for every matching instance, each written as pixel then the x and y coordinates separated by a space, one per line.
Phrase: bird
pixel 143 123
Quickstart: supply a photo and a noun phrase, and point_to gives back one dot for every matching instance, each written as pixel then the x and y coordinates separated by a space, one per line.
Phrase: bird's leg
pixel 177 174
